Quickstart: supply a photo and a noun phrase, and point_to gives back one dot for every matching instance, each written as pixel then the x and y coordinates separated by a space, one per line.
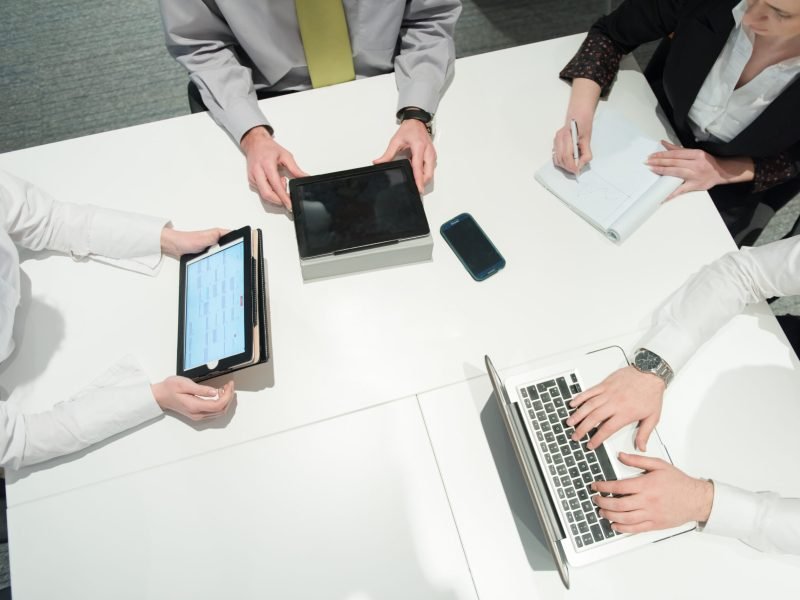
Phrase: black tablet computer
pixel 357 209
pixel 221 324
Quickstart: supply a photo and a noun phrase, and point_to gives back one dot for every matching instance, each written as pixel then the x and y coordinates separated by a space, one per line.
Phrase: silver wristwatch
pixel 647 361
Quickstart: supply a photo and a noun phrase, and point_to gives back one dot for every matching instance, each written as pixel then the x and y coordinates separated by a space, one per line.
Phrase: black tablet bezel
pixel 230 362
pixel 419 230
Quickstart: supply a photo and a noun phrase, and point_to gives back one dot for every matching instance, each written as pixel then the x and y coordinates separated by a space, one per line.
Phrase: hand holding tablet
pixel 222 318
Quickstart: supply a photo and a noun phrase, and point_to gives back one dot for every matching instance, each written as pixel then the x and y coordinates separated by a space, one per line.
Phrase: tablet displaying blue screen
pixel 215 307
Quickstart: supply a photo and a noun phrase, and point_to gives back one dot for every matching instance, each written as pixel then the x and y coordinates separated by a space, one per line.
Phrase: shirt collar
pixel 738 12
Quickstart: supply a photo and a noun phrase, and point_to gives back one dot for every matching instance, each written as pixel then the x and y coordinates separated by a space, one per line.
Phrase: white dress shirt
pixel 233 47
pixel 720 112
pixel 121 398
pixel 699 308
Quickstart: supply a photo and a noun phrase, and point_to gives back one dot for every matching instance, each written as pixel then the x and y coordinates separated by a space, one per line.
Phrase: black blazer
pixel 695 32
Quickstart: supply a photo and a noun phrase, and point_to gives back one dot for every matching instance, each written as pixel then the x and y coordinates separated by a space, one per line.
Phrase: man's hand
pixel 178 243
pixel 625 396
pixel 413 136
pixel 663 497
pixel 181 395
pixel 698 169
pixel 265 158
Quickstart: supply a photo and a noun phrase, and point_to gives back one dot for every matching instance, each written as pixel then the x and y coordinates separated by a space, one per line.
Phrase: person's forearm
pixel 583 100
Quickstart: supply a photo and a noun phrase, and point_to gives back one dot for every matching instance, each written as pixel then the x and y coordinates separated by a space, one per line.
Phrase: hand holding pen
pixel 571 150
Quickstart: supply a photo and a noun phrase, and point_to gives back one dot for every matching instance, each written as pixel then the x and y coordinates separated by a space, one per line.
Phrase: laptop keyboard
pixel 571 466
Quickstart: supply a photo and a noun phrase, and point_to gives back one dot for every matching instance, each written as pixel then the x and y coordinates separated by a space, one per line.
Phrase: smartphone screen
pixel 475 251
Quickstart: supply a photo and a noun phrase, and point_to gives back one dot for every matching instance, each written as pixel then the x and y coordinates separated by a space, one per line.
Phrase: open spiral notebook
pixel 616 192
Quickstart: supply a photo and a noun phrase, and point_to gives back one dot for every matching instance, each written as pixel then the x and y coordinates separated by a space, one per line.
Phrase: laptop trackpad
pixel 624 441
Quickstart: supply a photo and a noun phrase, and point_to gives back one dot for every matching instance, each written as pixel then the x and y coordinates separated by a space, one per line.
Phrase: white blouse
pixel 720 112
pixel 121 398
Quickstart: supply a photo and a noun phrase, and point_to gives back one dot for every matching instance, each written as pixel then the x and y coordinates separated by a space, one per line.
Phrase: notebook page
pixel 616 179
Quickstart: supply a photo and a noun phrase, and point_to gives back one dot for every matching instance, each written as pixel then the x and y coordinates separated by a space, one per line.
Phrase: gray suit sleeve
pixel 198 37
pixel 427 52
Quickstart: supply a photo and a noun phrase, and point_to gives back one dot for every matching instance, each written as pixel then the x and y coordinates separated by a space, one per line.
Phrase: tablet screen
pixel 357 208
pixel 215 307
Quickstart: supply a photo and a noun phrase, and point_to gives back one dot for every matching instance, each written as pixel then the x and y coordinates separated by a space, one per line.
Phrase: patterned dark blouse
pixel 598 59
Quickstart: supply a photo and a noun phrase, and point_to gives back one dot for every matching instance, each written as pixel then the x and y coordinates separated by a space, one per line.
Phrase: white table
pixel 343 345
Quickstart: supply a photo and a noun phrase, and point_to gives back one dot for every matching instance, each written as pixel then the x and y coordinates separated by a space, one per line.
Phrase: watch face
pixel 647 361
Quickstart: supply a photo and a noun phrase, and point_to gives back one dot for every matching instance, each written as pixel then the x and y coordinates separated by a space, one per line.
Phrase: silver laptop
pixel 558 471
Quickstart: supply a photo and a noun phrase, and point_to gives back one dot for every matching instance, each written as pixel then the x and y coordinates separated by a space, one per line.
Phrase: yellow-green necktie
pixel 326 41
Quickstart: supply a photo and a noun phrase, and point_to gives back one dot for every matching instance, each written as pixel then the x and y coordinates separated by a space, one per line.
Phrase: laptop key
pixel 564 505
pixel 557 429
pixel 537 405
pixel 570 492
pixel 554 449
pixel 575 504
pixel 583 527
pixel 578 542
pixel 539 415
pixel 577 484
pixel 552 470
pixel 577 516
pixel 543 446
pixel 597 533
pixel 550 407
pixel 559 403
pixel 605 524
pixel 524 392
pixel 549 459
pixel 573 377
pixel 591 518
pixel 562 439
pixel 539 436
pixel 533 393
pixel 573 472
pixel 563 388
pixel 553 392
pixel 565 481
pixel 583 494
pixel 583 466
pixel 591 457
pixel 573 528
pixel 553 419
pixel 587 539
pixel 569 461
pixel 595 468
pixel 544 386
pixel 562 469
pixel 587 507
pixel 549 436
pixel 605 464
pixel 556 481
pixel 561 493
pixel 545 426
pixel 558 459
pixel 562 412
pixel 587 478
pixel 578 455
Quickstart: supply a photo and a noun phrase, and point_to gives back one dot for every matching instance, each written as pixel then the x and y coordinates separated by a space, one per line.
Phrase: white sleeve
pixel 720 291
pixel 762 520
pixel 35 220
pixel 119 399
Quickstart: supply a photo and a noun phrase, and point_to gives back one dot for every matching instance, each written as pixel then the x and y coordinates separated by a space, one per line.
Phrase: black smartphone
pixel 472 247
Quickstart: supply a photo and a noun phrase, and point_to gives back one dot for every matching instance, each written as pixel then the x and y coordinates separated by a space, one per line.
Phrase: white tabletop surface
pixel 353 342
pixel 343 344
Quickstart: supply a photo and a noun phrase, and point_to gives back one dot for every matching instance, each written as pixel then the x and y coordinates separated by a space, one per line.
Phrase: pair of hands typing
pixel 663 496
pixel 267 160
